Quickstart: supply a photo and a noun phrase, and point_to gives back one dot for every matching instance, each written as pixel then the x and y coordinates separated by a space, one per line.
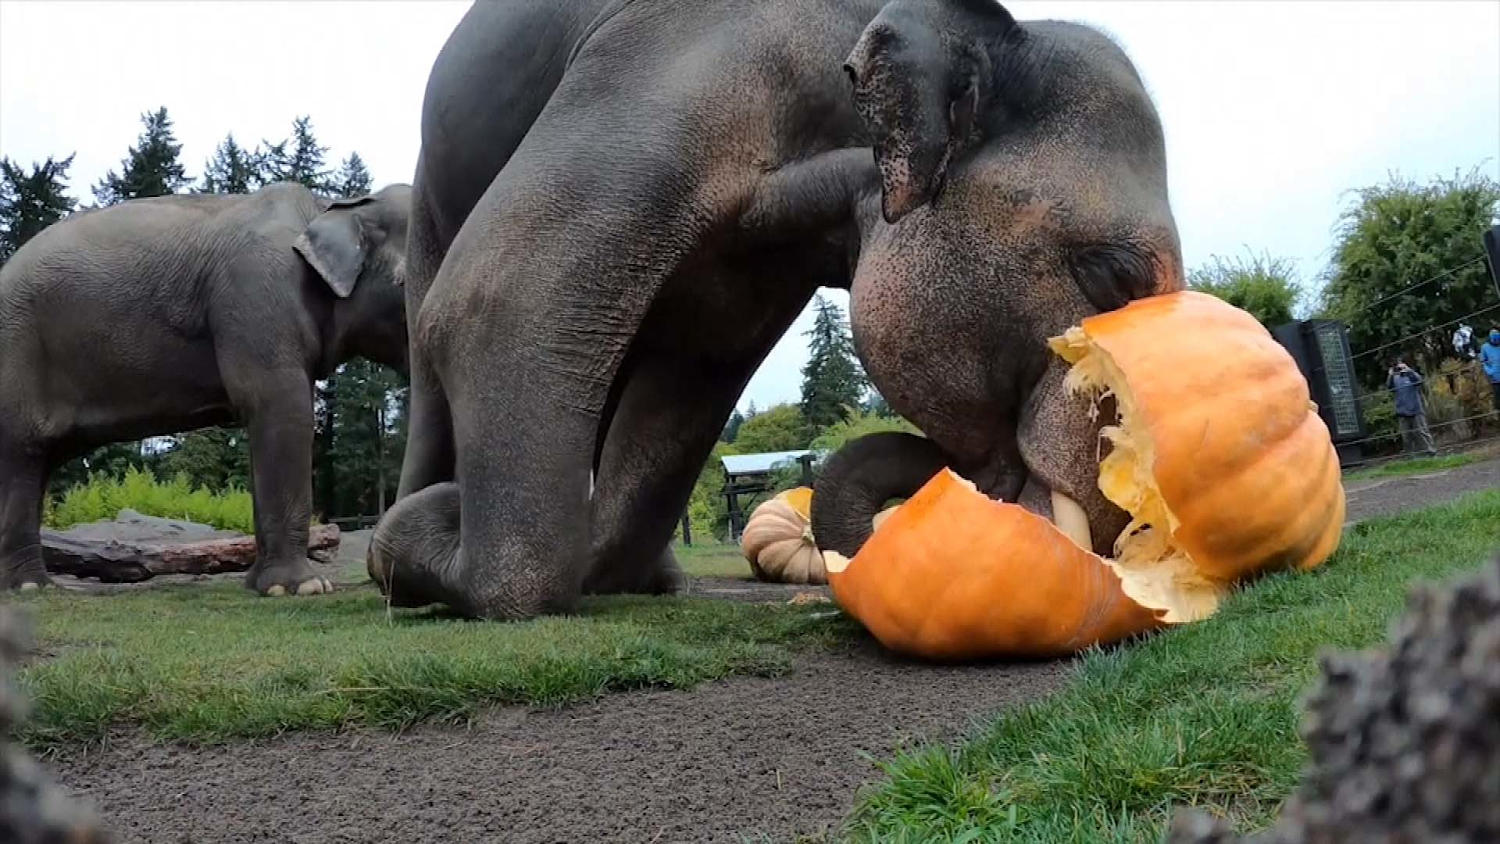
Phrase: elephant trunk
pixel 856 482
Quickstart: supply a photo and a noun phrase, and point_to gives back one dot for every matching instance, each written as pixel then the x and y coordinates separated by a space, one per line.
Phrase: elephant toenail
pixel 276 591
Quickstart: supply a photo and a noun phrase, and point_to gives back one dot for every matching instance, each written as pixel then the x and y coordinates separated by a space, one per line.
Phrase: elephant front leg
pixel 281 441
pixel 676 394
pixel 23 479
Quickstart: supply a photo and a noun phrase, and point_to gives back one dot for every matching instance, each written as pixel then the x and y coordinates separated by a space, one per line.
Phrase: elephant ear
pixel 335 244
pixel 920 70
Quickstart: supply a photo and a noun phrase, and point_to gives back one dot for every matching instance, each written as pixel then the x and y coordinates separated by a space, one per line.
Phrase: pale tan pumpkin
pixel 778 540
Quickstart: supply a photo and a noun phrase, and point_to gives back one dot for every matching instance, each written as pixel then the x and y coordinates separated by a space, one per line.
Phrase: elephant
pixel 166 314
pixel 672 196
pixel 467 135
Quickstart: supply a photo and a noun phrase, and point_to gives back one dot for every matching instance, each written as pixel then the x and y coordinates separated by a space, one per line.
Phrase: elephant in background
pixel 167 314
pixel 677 181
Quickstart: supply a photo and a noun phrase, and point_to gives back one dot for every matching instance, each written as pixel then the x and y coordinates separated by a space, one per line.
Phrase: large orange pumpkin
pixel 1219 455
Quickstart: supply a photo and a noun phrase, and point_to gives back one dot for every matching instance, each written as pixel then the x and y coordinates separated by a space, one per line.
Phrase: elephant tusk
pixel 1069 517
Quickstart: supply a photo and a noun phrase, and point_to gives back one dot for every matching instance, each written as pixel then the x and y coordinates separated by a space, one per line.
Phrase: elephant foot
pixel 414 547
pixel 666 577
pixel 662 577
pixel 26 578
pixel 292 578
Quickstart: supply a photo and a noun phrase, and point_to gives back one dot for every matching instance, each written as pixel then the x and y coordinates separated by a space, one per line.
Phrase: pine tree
pixel 150 169
pixel 233 169
pixel 732 427
pixel 299 158
pixel 30 202
pixel 832 380
pixel 353 177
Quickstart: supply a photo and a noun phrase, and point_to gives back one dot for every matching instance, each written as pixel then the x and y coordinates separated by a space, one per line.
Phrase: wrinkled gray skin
pixel 167 314
pixel 697 172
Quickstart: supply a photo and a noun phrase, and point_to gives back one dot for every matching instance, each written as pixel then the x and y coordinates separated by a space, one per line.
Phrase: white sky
pixel 1272 110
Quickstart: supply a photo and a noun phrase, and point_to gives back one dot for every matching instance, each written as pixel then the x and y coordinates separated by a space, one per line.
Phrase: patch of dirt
pixel 737 759
pixel 1388 496
pixel 728 761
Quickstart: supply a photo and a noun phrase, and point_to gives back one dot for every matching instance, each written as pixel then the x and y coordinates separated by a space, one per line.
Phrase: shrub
pixel 103 497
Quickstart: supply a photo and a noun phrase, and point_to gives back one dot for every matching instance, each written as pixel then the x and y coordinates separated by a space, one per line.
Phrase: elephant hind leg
pixel 23 480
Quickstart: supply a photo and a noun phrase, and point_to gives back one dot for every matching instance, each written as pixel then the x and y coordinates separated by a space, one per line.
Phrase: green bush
pixel 103 497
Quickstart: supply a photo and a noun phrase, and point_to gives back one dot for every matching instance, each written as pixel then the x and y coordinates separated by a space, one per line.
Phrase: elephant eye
pixel 1112 274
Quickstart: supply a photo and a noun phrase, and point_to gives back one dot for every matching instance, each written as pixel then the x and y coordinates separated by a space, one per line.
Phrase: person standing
pixel 1489 356
pixel 1407 384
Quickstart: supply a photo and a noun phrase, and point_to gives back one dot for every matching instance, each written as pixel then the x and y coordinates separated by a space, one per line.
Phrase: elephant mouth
pixel 1026 489
pixel 857 484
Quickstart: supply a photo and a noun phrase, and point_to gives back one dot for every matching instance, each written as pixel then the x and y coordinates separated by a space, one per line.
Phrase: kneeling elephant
pixel 677 181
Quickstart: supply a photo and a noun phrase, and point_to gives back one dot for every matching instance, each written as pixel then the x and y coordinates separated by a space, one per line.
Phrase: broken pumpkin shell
pixel 778 541
pixel 1218 455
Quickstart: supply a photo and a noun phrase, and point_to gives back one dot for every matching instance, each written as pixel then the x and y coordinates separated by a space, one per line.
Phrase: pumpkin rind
pixel 953 575
pixel 778 543
pixel 1224 453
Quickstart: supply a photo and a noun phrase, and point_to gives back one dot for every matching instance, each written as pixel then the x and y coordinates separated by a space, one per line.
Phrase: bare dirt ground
pixel 745 759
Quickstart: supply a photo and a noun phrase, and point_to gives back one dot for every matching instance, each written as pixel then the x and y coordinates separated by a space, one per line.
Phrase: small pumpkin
pixel 1219 456
pixel 778 540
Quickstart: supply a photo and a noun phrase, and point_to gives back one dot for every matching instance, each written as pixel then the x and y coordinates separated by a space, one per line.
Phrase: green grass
pixel 1414 466
pixel 103 497
pixel 1206 714
pixel 712 559
pixel 208 664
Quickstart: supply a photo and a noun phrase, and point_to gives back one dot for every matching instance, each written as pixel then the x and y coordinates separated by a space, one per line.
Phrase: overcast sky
pixel 1272 110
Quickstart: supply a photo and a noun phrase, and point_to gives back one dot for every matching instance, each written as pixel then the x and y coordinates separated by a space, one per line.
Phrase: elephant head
pixel 357 246
pixel 1022 187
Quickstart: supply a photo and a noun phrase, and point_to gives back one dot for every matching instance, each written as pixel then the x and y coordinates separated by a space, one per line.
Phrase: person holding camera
pixel 1406 383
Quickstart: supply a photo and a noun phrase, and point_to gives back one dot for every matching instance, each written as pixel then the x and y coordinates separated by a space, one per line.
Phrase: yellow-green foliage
pixel 103 497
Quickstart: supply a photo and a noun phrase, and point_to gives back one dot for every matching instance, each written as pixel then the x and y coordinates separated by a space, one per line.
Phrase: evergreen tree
pixel 732 427
pixel 832 380
pixel 353 177
pixel 368 436
pixel 150 169
pixel 30 202
pixel 299 158
pixel 233 169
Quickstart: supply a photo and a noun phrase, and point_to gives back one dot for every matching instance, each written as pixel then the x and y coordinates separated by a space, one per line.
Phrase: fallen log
pixel 116 561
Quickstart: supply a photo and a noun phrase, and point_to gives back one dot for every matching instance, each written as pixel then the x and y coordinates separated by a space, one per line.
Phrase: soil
pixel 743 759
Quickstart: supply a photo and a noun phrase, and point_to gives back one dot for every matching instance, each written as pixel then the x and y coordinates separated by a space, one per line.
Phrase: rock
pixel 1405 743
pixel 33 810
pixel 133 547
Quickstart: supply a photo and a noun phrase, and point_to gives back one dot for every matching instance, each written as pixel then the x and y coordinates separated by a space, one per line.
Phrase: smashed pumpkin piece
pixel 1218 455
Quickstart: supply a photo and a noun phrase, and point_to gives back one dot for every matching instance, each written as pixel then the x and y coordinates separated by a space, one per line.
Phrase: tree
pixel 353 177
pixel 30 202
pixel 1262 285
pixel 732 427
pixel 368 437
pixel 213 458
pixel 150 168
pixel 779 428
pixel 299 158
pixel 832 380
pixel 875 404
pixel 1426 237
pixel 233 169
